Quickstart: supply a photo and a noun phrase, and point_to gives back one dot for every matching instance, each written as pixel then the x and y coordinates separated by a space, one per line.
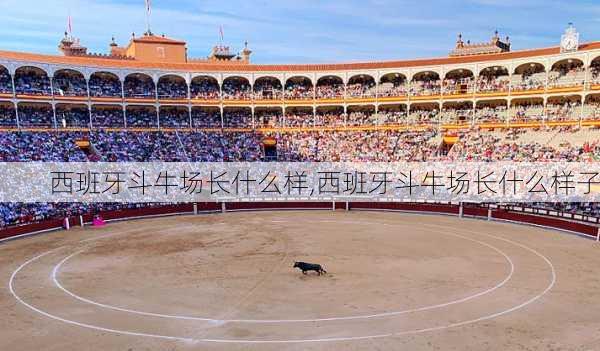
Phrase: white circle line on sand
pixel 56 271
pixel 297 341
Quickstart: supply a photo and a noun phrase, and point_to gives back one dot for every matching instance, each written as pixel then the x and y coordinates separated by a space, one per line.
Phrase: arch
pixel 299 87
pixel 299 79
pixel 237 117
pixel 493 79
pixel 425 76
pixel 592 99
pixel 361 115
pixel 458 81
pixel 32 80
pixel 459 73
pixel 107 116
pixel 268 117
pixel 361 85
pixel 267 88
pixel 530 68
pixel 491 103
pixel 566 73
pixel 68 71
pixel 537 101
pixel 494 71
pixel 393 84
pixel 330 80
pixel 105 84
pixel 69 82
pixel 35 114
pixel 563 108
pixel 457 112
pixel 491 111
pixel 139 86
pixel 395 78
pixel 205 87
pixel 32 67
pixel 425 83
pixel 72 116
pixel 206 117
pixel 236 88
pixel 329 87
pixel 361 79
pixel 141 116
pixel 330 116
pixel 236 80
pixel 529 76
pixel 571 62
pixel 465 104
pixel 268 79
pixel 174 116
pixel 172 86
pixel 424 113
pixel 299 116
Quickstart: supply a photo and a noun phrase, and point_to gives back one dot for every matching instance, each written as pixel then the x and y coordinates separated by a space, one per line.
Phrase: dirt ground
pixel 225 282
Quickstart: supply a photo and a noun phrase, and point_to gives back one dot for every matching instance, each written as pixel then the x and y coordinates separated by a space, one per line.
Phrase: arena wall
pixel 587 230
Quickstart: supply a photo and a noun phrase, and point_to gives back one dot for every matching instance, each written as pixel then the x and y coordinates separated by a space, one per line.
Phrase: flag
pixel 221 33
pixel 148 6
pixel 70 28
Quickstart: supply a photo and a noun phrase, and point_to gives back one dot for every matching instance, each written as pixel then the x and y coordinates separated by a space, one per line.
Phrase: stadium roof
pixel 109 63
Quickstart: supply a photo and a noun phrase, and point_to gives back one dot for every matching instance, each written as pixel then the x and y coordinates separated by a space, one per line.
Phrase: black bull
pixel 305 267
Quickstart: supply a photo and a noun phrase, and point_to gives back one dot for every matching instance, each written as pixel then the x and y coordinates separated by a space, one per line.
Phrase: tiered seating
pixel 36 115
pixel 105 85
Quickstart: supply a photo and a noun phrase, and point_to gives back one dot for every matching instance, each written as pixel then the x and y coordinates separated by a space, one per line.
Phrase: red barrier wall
pixel 239 206
pixel 545 221
pixel 30 228
pixel 415 207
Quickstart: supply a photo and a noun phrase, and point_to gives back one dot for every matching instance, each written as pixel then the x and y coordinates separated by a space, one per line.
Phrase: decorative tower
pixel 246 53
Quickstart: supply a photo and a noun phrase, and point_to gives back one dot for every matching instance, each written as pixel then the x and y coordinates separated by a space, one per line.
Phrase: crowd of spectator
pixel 566 75
pixel 32 82
pixel 361 90
pixel 7 116
pixel 76 117
pixel 108 117
pixel 528 81
pixel 566 111
pixel 267 90
pixel 205 89
pixel 141 117
pixel 202 118
pixel 173 117
pixel 299 91
pixel 379 145
pixel 330 91
pixel 241 118
pixel 486 84
pixel 139 87
pixel 67 84
pixel 235 89
pixel 457 86
pixel 172 89
pixel 425 87
pixel 36 115
pixel 105 86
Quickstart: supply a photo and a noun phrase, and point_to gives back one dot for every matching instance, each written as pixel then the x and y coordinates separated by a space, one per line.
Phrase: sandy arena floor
pixel 225 282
